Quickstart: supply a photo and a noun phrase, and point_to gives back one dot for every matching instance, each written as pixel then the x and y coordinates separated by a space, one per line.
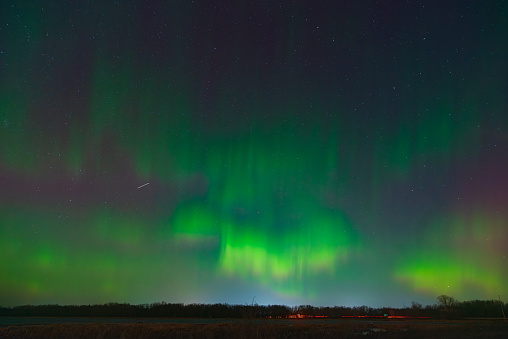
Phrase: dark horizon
pixel 446 308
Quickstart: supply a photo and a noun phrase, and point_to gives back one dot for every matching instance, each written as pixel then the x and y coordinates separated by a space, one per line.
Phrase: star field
pixel 303 153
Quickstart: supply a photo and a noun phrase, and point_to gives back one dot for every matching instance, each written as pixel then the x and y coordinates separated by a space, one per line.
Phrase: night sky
pixel 293 152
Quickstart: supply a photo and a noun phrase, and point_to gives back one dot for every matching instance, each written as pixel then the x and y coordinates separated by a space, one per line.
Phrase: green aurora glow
pixel 332 166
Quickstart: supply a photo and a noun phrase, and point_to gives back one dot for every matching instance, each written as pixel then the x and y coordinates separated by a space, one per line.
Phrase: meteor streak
pixel 144 185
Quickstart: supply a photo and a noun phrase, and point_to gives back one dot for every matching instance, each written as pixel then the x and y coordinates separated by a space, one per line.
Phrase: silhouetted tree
pixel 416 305
pixel 446 301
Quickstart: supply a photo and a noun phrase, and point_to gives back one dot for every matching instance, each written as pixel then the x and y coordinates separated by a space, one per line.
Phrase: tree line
pixel 446 307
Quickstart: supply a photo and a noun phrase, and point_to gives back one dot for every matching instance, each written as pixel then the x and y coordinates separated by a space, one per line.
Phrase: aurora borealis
pixel 302 152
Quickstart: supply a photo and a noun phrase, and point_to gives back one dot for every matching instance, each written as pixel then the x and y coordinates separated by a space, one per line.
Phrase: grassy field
pixel 268 329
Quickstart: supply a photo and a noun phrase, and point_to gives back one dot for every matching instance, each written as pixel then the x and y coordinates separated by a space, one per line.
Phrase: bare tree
pixel 416 305
pixel 446 301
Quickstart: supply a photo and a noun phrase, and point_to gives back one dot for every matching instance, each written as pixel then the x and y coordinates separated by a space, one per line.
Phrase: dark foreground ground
pixel 265 329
